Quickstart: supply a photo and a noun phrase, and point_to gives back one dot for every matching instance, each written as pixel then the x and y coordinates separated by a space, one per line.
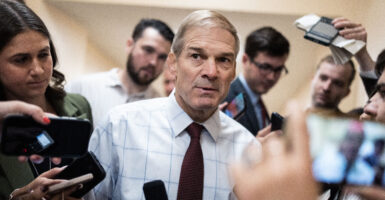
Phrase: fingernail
pixel 46 120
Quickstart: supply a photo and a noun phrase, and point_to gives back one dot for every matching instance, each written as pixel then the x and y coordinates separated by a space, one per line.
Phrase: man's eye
pixel 148 50
pixel 43 55
pixel 265 67
pixel 323 78
pixel 195 56
pixel 162 57
pixel 224 59
pixel 382 93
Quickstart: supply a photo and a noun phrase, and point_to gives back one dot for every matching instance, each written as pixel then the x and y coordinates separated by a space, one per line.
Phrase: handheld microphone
pixel 155 190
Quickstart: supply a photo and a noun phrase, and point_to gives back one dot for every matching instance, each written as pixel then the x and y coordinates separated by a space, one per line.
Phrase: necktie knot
pixel 194 130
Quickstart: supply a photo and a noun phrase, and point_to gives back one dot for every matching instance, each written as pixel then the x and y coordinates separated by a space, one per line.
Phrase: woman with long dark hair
pixel 27 73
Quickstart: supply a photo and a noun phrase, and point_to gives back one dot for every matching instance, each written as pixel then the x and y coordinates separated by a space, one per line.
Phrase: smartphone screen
pixel 347 151
pixel 236 107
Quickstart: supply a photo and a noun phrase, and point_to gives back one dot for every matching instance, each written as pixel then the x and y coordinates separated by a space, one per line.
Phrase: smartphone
pixel 323 32
pixel 84 165
pixel 276 121
pixel 237 107
pixel 63 137
pixel 69 183
pixel 347 151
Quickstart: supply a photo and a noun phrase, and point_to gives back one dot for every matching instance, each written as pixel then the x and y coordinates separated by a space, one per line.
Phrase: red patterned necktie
pixel 191 175
pixel 263 112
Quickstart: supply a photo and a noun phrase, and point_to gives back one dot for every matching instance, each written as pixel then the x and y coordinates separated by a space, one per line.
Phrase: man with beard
pixel 264 60
pixel 330 85
pixel 147 52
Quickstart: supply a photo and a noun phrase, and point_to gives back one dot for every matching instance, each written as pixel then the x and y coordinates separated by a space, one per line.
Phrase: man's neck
pixel 328 111
pixel 128 84
pixel 196 115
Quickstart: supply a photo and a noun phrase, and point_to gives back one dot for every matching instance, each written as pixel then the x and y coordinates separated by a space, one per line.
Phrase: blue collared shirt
pixel 146 140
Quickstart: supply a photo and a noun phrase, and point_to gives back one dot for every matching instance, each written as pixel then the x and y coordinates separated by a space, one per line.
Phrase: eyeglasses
pixel 267 68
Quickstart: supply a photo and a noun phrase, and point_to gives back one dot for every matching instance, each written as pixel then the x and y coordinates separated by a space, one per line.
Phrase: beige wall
pixel 81 51
pixel 76 54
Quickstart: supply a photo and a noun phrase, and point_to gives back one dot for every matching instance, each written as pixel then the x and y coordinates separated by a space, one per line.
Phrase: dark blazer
pixel 249 119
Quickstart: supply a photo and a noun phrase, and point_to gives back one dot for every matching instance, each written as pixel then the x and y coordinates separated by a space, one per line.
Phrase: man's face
pixel 168 81
pixel 147 56
pixel 380 115
pixel 204 69
pixel 261 80
pixel 330 85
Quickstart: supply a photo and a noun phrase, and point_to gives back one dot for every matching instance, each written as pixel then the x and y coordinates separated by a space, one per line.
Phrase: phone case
pixel 323 32
pixel 276 121
pixel 63 137
pixel 86 164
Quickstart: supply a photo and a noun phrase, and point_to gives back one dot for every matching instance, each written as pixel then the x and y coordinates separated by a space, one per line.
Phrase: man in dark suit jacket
pixel 266 52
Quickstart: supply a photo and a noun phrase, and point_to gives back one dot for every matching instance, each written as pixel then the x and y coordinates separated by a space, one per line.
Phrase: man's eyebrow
pixel 198 49
pixel 227 54
pixel 201 50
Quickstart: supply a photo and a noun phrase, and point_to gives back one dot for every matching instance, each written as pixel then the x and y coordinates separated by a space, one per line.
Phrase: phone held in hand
pixel 63 137
pixel 347 151
pixel 323 32
pixel 84 165
pixel 276 121
pixel 236 108
pixel 69 183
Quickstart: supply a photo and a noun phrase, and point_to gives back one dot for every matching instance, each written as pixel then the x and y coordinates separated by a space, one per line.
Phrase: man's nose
pixel 211 69
pixel 326 86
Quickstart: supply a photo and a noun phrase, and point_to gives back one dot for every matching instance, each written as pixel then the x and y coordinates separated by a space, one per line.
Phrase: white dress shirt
pixel 146 140
pixel 105 91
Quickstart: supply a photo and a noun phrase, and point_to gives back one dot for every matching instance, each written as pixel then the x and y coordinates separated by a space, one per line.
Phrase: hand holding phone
pixel 69 183
pixel 347 151
pixel 323 32
pixel 236 107
pixel 276 121
pixel 63 137
pixel 84 165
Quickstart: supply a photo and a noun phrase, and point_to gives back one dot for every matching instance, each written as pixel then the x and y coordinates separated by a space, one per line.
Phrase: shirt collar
pixel 113 78
pixel 180 120
pixel 253 96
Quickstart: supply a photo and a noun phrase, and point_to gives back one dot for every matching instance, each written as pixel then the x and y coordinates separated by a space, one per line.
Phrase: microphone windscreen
pixel 155 190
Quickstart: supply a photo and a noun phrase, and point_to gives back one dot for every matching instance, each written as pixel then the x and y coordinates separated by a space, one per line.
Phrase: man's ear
pixel 245 58
pixel 171 63
pixel 129 45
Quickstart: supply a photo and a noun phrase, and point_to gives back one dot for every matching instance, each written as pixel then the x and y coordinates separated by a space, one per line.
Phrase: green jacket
pixel 14 174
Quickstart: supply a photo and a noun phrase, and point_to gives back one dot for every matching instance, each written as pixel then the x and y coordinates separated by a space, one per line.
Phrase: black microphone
pixel 155 190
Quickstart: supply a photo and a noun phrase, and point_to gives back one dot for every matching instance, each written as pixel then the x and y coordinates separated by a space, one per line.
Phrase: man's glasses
pixel 267 68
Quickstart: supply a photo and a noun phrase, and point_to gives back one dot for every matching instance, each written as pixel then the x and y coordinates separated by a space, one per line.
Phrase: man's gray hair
pixel 203 18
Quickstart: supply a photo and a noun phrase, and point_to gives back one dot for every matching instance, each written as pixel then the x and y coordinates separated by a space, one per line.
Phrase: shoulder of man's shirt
pixel 141 105
pixel 239 128
pixel 92 77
